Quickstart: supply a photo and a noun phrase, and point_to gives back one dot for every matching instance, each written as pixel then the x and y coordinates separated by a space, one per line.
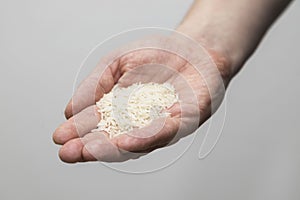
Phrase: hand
pixel 144 65
pixel 229 33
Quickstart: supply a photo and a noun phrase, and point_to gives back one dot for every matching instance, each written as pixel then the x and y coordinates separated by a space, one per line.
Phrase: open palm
pixel 197 89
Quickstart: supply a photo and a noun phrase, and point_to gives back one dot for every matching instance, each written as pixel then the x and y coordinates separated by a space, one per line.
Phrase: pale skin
pixel 229 31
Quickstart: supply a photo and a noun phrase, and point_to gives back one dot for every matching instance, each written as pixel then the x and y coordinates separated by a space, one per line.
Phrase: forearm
pixel 232 28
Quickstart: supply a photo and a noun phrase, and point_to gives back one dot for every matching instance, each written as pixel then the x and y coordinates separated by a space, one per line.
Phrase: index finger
pixel 99 82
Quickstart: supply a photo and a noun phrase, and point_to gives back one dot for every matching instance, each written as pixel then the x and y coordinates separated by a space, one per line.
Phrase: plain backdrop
pixel 42 44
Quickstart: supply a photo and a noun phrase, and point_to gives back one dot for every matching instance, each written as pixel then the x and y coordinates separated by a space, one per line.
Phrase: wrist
pixel 225 59
pixel 230 30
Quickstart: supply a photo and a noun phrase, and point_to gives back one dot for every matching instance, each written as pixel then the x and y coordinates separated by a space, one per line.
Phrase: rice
pixel 136 106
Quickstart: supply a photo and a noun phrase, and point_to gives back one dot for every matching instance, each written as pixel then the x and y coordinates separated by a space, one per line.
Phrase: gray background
pixel 42 43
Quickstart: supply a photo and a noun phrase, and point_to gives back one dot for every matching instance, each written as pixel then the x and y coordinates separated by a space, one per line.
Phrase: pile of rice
pixel 124 109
